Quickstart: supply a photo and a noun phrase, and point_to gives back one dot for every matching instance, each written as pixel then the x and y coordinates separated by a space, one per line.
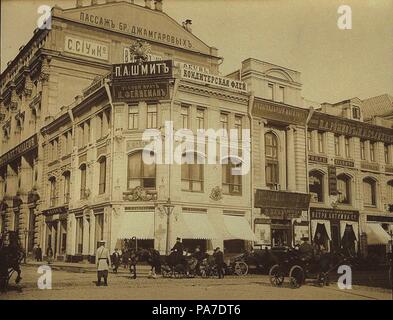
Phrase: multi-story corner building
pixel 91 181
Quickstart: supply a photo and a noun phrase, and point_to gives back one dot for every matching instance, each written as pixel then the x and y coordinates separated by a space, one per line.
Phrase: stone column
pixel 58 235
pixel 263 122
pixel 291 165
pixel 86 234
pixel 92 233
pixel 390 152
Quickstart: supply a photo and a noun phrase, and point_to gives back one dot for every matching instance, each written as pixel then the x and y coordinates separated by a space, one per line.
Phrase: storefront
pixel 56 231
pixel 283 222
pixel 377 230
pixel 335 229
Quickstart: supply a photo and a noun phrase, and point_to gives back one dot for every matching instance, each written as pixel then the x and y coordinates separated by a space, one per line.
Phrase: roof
pixel 381 105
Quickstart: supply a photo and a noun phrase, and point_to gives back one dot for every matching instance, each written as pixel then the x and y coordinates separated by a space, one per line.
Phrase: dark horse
pixel 11 256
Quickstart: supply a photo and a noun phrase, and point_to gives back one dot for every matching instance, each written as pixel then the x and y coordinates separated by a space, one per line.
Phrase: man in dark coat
pixel 219 260
pixel 115 260
pixel 306 250
pixel 38 253
pixel 178 249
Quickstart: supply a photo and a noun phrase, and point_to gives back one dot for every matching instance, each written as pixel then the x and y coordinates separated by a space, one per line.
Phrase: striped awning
pixel 231 227
pixel 195 226
pixel 136 224
pixel 376 234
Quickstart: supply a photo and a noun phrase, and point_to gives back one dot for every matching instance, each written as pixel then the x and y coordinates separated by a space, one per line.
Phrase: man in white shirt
pixel 103 261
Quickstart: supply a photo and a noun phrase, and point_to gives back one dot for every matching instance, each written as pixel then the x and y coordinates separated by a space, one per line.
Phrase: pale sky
pixel 301 35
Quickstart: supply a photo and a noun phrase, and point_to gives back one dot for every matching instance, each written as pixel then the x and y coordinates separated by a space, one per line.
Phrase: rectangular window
pixel 79 235
pixel 372 151
pixel 362 150
pixel 270 91
pixel 100 125
pixel 86 133
pixel 238 126
pixel 83 181
pixel 53 198
pixel 185 116
pixel 80 136
pixel 272 178
pixel 224 121
pixel 386 153
pixel 347 147
pixel 231 184
pixel 140 173
pixel 309 141
pixel 320 142
pixel 99 228
pixel 336 145
pixel 151 116
pixel 133 117
pixel 66 188
pixel 101 186
pixel 356 113
pixel 201 118
pixel 280 96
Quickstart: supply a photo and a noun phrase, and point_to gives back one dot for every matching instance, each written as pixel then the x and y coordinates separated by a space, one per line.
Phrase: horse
pixel 11 257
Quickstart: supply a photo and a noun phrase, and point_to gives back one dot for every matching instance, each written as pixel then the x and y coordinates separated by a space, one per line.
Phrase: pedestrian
pixel 116 260
pixel 49 254
pixel 38 253
pixel 103 261
pixel 178 249
pixel 219 260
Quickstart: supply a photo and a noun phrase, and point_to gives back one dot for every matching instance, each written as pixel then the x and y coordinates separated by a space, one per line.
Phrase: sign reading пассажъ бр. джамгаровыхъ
pixel 147 81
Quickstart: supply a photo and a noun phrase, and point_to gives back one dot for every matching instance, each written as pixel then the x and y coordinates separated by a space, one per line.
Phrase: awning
pixel 355 226
pixel 376 234
pixel 195 226
pixel 239 228
pixel 326 223
pixel 136 224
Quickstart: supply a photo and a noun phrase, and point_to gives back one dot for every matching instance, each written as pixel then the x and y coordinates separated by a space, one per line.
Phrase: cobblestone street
pixel 73 285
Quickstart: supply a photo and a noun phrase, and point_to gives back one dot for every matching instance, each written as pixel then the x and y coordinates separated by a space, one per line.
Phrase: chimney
pixel 148 4
pixel 79 3
pixel 158 5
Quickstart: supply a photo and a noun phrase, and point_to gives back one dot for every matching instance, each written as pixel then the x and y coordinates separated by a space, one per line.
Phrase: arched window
pixel 316 186
pixel 192 177
pixel 102 181
pixel 140 173
pixel 369 192
pixel 52 198
pixel 344 188
pixel 272 165
pixel 67 179
pixel 82 169
pixel 231 177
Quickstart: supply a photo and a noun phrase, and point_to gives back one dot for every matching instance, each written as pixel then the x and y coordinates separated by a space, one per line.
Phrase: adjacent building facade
pixel 72 170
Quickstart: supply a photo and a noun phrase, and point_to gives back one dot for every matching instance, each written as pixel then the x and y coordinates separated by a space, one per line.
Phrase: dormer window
pixel 356 113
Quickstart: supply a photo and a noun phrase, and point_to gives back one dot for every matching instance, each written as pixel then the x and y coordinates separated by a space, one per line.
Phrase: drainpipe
pixel 310 113
pixel 250 105
pixel 108 92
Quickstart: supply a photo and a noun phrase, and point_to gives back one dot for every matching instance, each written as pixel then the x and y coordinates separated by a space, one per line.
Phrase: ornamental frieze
pixel 140 194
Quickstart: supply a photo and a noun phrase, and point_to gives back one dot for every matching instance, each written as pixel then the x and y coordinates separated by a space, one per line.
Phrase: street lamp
pixel 25 232
pixel 168 210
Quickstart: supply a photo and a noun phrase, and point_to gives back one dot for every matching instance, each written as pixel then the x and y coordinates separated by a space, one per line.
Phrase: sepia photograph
pixel 208 150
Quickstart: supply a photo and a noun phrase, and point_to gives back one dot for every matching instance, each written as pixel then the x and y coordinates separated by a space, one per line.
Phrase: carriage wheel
pixel 241 268
pixel 296 277
pixel 276 276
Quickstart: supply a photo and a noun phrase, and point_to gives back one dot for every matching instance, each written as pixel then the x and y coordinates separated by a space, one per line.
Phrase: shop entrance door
pixel 281 237
pixel 335 228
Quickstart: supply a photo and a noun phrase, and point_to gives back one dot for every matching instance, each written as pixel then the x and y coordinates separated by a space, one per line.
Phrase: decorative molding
pixel 216 194
pixel 140 194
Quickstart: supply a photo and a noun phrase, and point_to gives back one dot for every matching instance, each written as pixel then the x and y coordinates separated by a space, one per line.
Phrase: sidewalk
pixel 82 267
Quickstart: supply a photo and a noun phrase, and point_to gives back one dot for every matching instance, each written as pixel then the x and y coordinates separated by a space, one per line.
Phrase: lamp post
pixel 25 232
pixel 168 209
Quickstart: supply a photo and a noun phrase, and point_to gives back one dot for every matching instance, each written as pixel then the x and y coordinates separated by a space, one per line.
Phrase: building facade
pixel 73 119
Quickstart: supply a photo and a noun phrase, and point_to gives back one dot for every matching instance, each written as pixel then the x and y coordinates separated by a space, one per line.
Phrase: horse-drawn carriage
pixel 11 256
pixel 292 265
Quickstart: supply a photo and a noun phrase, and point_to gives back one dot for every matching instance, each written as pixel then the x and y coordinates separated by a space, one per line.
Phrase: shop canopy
pixel 231 227
pixel 195 226
pixel 137 224
pixel 376 234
